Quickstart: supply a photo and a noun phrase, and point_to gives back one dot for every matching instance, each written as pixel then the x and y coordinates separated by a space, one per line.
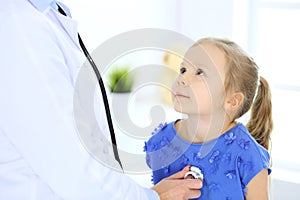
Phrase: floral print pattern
pixel 229 138
pixel 231 174
pixel 226 158
pixel 227 163
pixel 215 156
pixel 244 144
pixel 159 128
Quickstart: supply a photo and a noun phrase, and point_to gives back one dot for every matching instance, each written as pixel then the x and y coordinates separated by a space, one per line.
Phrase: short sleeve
pixel 252 159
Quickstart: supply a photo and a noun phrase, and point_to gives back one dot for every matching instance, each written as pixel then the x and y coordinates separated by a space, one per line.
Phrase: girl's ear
pixel 234 101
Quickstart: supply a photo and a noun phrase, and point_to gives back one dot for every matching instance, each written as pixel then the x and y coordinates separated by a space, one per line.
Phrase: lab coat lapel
pixel 70 27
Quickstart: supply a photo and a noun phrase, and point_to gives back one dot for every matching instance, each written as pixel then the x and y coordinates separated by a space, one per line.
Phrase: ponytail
pixel 260 124
pixel 242 76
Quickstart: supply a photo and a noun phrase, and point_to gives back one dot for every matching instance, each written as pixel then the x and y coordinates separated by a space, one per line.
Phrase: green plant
pixel 120 79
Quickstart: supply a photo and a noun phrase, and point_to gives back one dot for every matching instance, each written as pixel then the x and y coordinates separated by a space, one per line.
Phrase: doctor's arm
pixel 37 117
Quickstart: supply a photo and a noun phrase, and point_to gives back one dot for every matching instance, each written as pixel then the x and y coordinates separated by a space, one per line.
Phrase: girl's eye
pixel 182 70
pixel 200 72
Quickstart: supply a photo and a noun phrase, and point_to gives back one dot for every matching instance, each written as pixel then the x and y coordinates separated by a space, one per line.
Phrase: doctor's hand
pixel 176 188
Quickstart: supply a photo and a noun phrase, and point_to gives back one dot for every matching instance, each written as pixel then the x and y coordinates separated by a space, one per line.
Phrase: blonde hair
pixel 242 76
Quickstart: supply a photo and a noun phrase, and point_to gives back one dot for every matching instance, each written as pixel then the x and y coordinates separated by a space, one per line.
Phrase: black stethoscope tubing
pixel 103 91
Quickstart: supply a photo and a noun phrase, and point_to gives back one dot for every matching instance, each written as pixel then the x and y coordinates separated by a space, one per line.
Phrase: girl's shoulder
pixel 240 142
pixel 160 136
pixel 246 141
pixel 241 139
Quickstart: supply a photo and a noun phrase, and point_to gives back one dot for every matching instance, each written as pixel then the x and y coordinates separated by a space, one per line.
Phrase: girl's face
pixel 199 88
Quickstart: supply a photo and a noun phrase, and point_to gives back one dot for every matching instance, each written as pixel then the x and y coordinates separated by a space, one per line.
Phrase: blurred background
pixel 267 29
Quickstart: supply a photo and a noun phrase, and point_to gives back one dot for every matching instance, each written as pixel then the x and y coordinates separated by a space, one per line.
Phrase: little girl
pixel 218 83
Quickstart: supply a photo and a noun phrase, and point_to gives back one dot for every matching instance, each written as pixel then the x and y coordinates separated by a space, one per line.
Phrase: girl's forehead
pixel 206 55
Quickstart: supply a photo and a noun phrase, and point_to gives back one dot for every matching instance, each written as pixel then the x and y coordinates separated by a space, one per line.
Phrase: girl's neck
pixel 197 129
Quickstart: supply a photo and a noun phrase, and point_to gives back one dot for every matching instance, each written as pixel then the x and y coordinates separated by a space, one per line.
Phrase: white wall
pixel 99 20
pixel 203 18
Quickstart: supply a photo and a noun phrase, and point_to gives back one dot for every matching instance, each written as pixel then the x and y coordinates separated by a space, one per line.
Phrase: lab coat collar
pixel 41 5
pixel 70 25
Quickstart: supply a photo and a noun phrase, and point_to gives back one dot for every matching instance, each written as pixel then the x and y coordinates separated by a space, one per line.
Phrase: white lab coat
pixel 41 155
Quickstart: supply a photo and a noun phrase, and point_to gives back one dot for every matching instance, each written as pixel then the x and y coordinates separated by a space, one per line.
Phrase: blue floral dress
pixel 228 162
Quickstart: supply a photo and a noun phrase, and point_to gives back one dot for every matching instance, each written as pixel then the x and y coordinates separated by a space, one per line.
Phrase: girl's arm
pixel 258 187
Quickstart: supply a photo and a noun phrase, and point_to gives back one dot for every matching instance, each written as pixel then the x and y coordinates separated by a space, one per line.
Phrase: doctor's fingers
pixel 192 188
pixel 185 189
pixel 192 183
pixel 178 189
pixel 192 194
pixel 183 193
pixel 180 174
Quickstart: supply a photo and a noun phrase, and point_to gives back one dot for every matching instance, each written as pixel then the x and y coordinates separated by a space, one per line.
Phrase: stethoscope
pixel 194 173
pixel 103 91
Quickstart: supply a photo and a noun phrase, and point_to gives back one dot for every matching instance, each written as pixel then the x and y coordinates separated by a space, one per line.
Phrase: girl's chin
pixel 180 110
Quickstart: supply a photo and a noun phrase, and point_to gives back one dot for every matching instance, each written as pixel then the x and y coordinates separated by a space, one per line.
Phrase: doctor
pixel 41 156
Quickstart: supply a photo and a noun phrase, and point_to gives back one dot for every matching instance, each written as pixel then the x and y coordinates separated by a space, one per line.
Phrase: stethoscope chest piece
pixel 194 173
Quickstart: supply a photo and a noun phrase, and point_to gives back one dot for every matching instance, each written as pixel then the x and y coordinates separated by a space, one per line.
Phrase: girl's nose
pixel 182 80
